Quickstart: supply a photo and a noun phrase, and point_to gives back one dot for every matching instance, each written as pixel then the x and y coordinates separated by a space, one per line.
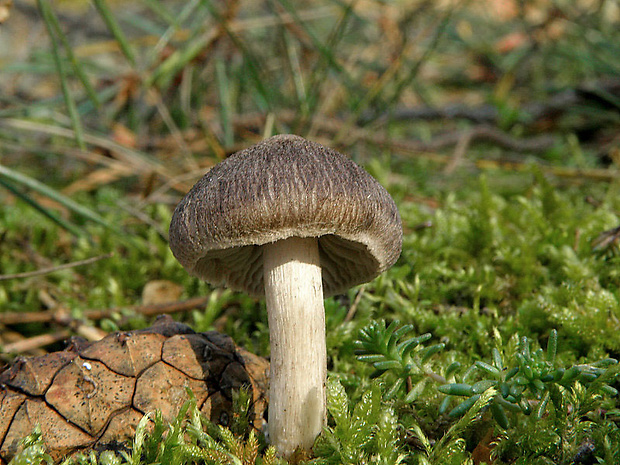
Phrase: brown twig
pixel 11 318
pixel 536 144
pixel 36 342
pixel 52 269
pixel 459 152
pixel 482 132
pixel 428 149
pixel 413 148
pixel 558 103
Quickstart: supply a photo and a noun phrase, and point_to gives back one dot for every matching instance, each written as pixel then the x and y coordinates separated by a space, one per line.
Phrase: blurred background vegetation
pixel 495 124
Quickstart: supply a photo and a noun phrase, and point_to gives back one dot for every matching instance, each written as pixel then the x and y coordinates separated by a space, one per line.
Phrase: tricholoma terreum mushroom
pixel 296 222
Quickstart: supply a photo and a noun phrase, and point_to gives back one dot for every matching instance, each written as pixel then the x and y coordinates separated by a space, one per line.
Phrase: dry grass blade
pixel 52 269
pixel 140 162
pixel 172 126
pixel 98 178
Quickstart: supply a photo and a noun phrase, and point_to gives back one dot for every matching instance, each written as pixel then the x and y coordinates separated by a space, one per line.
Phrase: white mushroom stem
pixel 294 298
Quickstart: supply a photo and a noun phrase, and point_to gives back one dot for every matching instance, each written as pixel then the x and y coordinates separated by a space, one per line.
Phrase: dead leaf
pixel 483 453
pixel 5 10
pixel 124 136
pixel 512 41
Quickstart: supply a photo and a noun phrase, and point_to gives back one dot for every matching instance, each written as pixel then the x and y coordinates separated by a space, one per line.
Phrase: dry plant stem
pixel 11 318
pixel 294 297
pixel 35 342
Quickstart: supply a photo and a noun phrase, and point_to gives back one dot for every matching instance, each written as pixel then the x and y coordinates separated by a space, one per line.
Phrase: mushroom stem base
pixel 294 298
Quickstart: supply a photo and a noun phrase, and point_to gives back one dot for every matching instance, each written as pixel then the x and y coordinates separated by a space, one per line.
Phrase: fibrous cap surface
pixel 284 187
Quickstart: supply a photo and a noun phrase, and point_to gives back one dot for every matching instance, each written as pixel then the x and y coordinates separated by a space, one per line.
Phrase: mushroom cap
pixel 286 186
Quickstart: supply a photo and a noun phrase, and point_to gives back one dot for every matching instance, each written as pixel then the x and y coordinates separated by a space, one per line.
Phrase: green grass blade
pixel 46 12
pixel 225 102
pixel 40 208
pixel 324 50
pixel 62 199
pixel 174 23
pixel 295 68
pixel 160 10
pixel 264 98
pixel 177 61
pixel 115 29
pixel 439 32
pixel 75 63
pixel 318 76
pixel 197 40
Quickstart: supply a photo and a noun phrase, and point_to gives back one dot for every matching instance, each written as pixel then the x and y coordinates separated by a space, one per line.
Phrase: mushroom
pixel 296 222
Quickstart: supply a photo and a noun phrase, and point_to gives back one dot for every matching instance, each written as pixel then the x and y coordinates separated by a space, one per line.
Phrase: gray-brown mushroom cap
pixel 286 186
